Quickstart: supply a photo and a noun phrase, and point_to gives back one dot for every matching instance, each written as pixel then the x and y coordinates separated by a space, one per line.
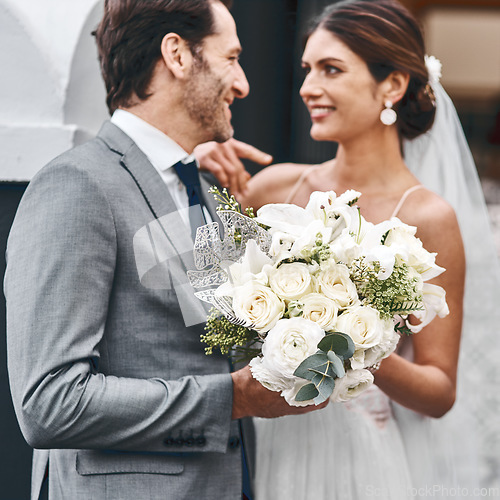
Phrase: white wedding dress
pixel 373 448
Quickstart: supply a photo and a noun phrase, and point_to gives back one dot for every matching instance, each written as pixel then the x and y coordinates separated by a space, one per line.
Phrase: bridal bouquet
pixel 315 296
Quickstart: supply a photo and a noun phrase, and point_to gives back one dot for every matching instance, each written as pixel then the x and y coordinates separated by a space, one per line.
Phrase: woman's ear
pixel 396 85
pixel 176 55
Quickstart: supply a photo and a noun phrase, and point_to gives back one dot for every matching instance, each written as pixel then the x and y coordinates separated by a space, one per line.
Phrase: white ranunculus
pixel 258 305
pixel 291 281
pixel 409 249
pixel 290 392
pixel 269 378
pixel 366 329
pixel 385 348
pixel 434 301
pixel 320 309
pixel 351 385
pixel 289 343
pixel 334 281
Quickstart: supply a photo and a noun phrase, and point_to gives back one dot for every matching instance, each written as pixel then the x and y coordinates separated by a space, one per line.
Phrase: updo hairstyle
pixel 388 38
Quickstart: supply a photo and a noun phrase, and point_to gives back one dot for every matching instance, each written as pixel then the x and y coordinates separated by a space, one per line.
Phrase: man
pixel 110 386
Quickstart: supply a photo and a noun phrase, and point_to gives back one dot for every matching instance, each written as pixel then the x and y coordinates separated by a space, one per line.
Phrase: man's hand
pixel 223 161
pixel 252 399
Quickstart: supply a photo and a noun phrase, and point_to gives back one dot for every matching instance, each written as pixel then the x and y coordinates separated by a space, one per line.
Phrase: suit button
pixel 179 441
pixel 234 442
pixel 169 441
pixel 201 441
pixel 189 441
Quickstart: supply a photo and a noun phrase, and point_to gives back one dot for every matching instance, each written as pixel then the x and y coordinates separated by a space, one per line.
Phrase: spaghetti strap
pixel 303 176
pixel 404 197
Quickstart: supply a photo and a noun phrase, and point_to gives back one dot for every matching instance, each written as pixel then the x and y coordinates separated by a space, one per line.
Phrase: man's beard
pixel 204 102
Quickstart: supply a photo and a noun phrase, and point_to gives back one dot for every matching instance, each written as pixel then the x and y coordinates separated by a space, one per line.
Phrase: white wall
pixel 51 93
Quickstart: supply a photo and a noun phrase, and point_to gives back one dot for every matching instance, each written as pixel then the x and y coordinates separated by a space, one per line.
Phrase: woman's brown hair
pixel 388 38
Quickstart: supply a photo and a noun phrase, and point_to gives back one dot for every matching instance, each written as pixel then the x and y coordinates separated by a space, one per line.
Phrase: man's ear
pixel 176 54
pixel 395 86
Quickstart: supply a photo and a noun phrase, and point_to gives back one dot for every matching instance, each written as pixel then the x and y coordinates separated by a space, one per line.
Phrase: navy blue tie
pixel 189 176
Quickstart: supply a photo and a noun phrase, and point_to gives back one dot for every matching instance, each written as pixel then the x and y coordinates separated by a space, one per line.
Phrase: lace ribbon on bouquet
pixel 213 255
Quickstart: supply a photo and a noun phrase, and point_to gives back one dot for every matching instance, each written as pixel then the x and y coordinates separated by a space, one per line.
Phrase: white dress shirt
pixel 162 152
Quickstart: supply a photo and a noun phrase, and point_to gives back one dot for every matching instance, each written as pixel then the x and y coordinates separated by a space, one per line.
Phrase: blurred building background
pixel 52 98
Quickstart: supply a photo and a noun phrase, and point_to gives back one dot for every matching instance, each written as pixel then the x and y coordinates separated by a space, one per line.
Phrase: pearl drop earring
pixel 388 116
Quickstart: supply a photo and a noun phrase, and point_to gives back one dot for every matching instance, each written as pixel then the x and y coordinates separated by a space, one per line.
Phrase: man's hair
pixel 129 40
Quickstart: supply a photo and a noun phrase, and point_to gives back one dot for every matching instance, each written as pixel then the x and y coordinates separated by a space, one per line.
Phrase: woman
pixel 364 60
pixel 374 446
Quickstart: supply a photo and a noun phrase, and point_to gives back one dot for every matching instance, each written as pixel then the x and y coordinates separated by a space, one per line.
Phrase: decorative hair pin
pixel 434 69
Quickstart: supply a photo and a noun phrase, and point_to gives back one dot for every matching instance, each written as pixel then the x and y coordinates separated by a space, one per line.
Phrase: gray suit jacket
pixel 109 385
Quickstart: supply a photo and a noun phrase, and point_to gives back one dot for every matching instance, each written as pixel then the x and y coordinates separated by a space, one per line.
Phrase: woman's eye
pixel 306 70
pixel 331 70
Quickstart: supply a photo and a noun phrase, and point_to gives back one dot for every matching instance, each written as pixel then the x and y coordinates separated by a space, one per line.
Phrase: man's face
pixel 216 79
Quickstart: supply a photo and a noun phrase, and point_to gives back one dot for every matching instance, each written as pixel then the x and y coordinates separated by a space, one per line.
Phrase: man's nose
pixel 240 84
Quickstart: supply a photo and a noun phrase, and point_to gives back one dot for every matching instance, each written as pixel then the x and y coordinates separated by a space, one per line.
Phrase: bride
pixel 367 87
pixel 365 66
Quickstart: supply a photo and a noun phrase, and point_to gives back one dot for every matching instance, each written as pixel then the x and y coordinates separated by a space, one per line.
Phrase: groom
pixel 110 386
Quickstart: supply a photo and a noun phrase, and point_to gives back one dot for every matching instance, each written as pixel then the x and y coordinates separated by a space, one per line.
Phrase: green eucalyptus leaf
pixel 306 393
pixel 336 363
pixel 338 342
pixel 313 362
pixel 324 386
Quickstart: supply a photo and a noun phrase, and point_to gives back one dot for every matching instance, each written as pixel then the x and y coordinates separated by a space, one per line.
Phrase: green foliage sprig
pixel 322 368
pixel 396 295
pixel 241 343
pixel 229 202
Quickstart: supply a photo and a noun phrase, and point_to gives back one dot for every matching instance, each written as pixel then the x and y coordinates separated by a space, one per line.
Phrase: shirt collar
pixel 161 150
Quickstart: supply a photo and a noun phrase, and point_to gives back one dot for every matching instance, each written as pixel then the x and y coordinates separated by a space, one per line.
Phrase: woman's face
pixel 343 98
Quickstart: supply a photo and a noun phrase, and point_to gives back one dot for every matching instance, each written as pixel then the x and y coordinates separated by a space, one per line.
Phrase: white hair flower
pixel 434 67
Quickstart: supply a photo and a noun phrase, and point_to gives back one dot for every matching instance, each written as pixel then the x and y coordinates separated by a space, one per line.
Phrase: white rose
pixel 334 282
pixel 289 343
pixel 364 326
pixel 320 309
pixel 351 385
pixel 291 281
pixel 258 305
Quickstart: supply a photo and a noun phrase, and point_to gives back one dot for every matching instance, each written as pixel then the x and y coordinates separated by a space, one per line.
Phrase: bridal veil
pixel 442 161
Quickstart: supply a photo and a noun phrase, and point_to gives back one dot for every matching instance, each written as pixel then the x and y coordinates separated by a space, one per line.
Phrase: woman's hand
pixel 223 161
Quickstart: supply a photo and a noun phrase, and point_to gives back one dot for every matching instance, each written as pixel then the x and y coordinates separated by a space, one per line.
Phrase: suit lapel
pixel 153 190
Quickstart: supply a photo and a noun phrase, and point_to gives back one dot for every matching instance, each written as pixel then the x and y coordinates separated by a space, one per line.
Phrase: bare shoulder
pixel 272 184
pixel 425 209
pixel 436 223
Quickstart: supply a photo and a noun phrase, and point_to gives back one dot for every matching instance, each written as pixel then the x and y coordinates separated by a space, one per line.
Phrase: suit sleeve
pixel 61 258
